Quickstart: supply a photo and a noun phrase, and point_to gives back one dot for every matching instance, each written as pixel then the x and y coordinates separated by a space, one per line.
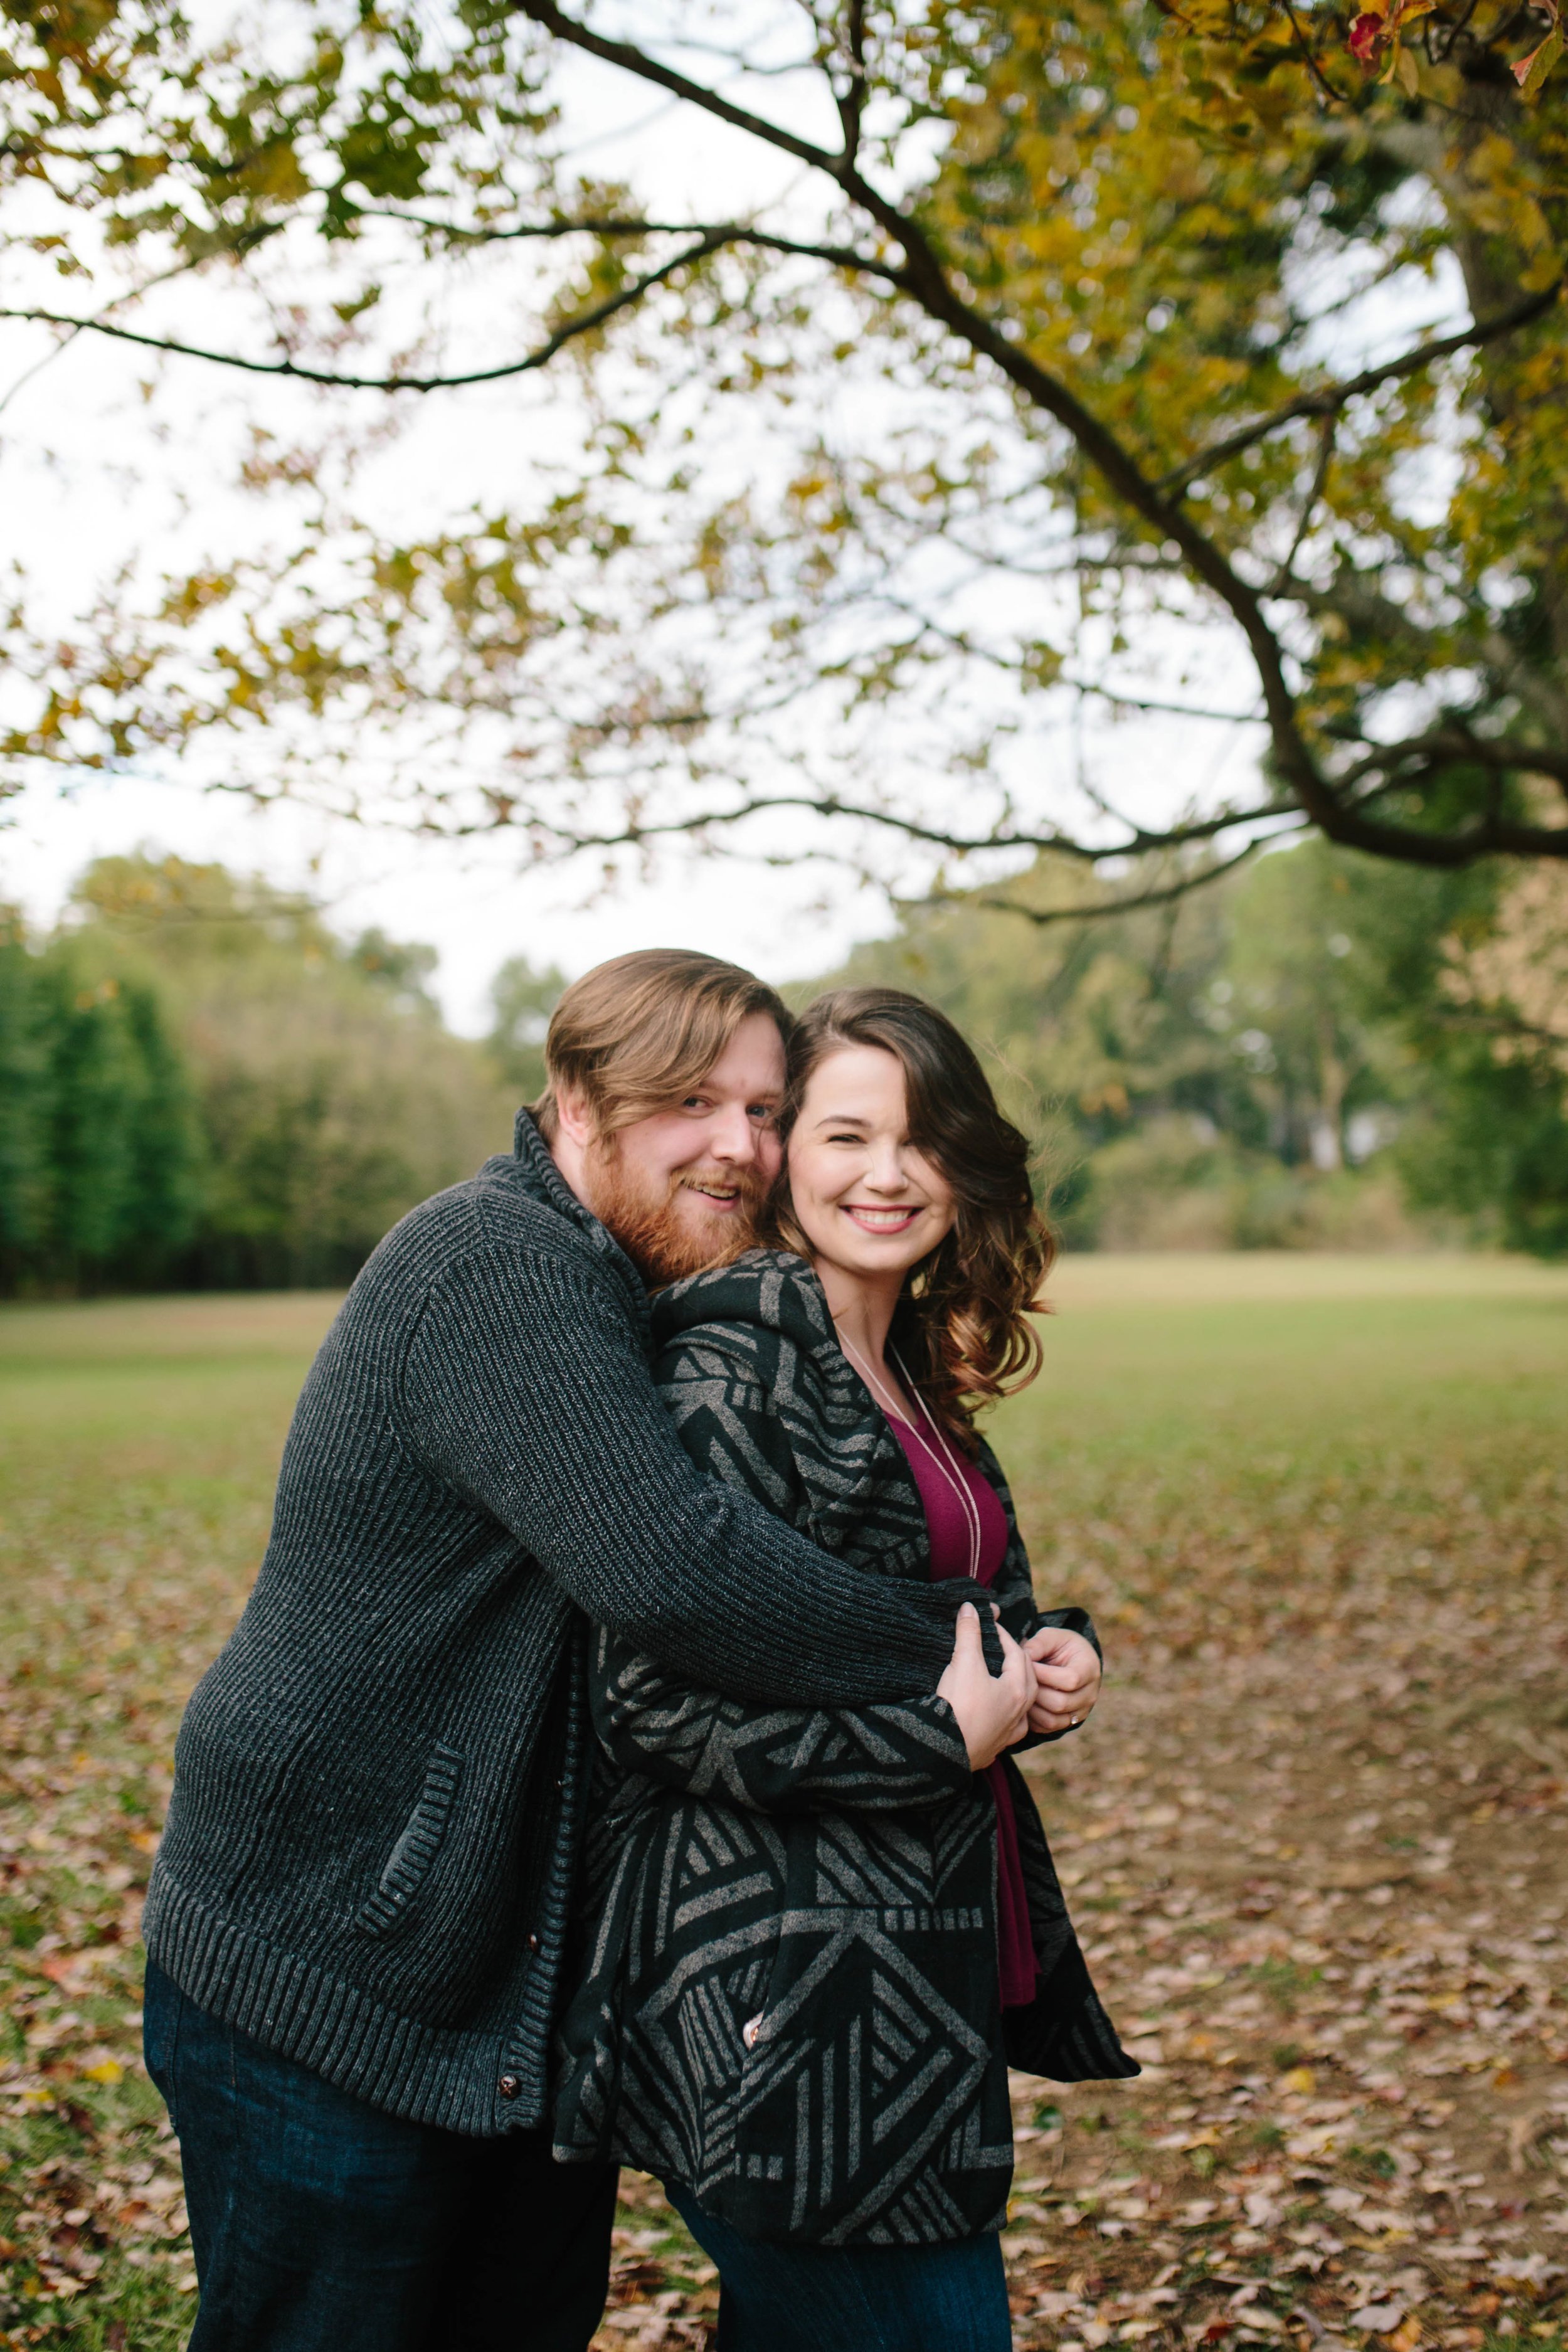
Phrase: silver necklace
pixel 940 1453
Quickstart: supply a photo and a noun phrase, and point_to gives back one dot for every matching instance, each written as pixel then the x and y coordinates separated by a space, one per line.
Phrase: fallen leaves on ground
pixel 1314 1842
pixel 1320 1864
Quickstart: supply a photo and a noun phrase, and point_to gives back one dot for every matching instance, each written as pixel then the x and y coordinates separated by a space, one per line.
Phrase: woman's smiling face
pixel 864 1197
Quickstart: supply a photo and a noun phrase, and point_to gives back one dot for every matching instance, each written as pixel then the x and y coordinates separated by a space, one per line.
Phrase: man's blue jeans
pixel 320 2224
pixel 950 2298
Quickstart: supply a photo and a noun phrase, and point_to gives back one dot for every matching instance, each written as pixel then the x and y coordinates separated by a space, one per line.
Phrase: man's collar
pixel 545 1180
pixel 529 1146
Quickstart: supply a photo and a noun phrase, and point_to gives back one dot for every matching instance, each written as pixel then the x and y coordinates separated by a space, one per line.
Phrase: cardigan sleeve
pixel 651 1720
pixel 772 1759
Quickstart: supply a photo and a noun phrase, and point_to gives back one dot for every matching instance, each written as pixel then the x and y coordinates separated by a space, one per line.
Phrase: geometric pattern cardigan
pixel 788 2003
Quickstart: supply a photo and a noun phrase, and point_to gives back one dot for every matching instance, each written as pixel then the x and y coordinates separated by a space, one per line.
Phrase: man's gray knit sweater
pixel 378 1783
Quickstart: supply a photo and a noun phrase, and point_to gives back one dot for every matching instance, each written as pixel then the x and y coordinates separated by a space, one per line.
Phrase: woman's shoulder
pixel 763 1290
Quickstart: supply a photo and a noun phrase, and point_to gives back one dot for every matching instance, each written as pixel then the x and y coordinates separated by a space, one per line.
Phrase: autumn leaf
pixel 1533 70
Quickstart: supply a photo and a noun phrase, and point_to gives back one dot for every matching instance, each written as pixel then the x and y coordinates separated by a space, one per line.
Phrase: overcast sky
pixel 84 481
pixel 68 511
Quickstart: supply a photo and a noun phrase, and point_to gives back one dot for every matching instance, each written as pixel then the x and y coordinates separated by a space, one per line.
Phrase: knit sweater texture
pixel 379 1782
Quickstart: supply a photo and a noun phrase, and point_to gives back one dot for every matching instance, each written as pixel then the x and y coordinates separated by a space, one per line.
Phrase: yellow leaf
pixel 109 2070
pixel 1405 68
pixel 1299 2078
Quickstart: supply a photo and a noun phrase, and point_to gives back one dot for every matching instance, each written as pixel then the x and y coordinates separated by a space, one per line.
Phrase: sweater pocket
pixel 408 1864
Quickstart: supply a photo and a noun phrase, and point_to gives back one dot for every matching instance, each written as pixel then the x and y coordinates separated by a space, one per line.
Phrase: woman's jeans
pixel 771 2298
pixel 320 2224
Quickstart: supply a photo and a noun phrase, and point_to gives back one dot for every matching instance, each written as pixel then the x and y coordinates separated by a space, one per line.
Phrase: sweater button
pixel 533 1943
pixel 509 2086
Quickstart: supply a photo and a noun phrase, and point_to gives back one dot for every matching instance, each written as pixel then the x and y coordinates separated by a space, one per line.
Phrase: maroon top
pixel 952 1532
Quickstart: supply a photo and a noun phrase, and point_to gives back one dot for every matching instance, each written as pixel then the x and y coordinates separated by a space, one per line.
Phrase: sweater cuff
pixel 955 1767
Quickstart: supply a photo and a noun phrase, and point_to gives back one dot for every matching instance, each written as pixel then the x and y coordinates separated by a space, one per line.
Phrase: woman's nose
pixel 885 1174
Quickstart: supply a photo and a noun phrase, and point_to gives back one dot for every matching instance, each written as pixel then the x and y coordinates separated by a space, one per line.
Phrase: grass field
pixel 1315 1834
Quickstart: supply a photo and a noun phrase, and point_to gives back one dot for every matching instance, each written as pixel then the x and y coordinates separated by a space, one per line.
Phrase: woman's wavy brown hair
pixel 964 1321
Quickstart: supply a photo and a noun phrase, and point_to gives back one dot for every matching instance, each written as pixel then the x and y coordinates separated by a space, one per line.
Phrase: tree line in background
pixel 203 1085
pixel 1319 1051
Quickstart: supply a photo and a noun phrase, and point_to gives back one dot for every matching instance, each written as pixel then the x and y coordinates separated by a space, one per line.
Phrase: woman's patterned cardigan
pixel 789 2002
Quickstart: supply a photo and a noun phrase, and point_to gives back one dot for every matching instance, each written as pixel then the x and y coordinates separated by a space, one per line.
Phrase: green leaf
pixel 1532 71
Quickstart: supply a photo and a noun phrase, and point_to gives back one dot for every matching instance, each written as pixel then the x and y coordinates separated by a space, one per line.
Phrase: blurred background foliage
pixel 1319 1051
pixel 205 1087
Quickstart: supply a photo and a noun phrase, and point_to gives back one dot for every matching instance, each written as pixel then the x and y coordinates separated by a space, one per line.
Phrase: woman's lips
pixel 880 1221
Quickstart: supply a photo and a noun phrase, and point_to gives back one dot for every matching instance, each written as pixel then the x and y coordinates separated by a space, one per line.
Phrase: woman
pixel 816 1939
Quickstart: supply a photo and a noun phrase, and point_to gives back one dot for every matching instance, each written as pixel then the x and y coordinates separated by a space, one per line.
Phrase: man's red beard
pixel 645 1218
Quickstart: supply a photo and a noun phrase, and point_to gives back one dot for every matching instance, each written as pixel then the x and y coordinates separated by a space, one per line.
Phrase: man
pixel 356 1923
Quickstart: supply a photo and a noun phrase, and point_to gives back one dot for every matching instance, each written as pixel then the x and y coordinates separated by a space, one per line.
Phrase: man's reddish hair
pixel 636 1033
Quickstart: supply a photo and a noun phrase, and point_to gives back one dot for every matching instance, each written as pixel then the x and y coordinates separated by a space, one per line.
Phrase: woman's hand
pixel 993 1710
pixel 1066 1678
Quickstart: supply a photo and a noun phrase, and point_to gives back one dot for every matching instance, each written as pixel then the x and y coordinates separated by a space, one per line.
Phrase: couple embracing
pixel 613 1761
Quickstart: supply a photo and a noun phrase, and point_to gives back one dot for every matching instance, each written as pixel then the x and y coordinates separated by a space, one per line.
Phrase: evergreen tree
pixel 23 1100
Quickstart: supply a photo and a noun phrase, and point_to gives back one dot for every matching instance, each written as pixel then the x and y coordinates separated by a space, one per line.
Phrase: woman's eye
pixel 844 1138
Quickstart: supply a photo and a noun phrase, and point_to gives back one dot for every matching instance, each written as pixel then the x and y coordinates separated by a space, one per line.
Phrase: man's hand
pixel 1066 1678
pixel 993 1710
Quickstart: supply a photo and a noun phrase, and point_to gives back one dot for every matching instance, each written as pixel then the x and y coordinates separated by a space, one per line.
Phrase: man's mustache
pixel 747 1182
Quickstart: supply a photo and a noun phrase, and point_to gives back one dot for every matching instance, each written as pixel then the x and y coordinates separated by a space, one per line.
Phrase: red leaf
pixel 1367 36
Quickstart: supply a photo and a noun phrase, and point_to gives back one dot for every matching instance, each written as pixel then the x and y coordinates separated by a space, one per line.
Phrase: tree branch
pixel 506 814
pixel 1335 97
pixel 1041 916
pixel 1334 396
pixel 924 277
pixel 926 280
pixel 583 324
pixel 1355 599
pixel 1165 709
pixel 1503 755
pixel 1326 430
pixel 840 257
pixel 636 62
pixel 852 102
pixel 612 225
